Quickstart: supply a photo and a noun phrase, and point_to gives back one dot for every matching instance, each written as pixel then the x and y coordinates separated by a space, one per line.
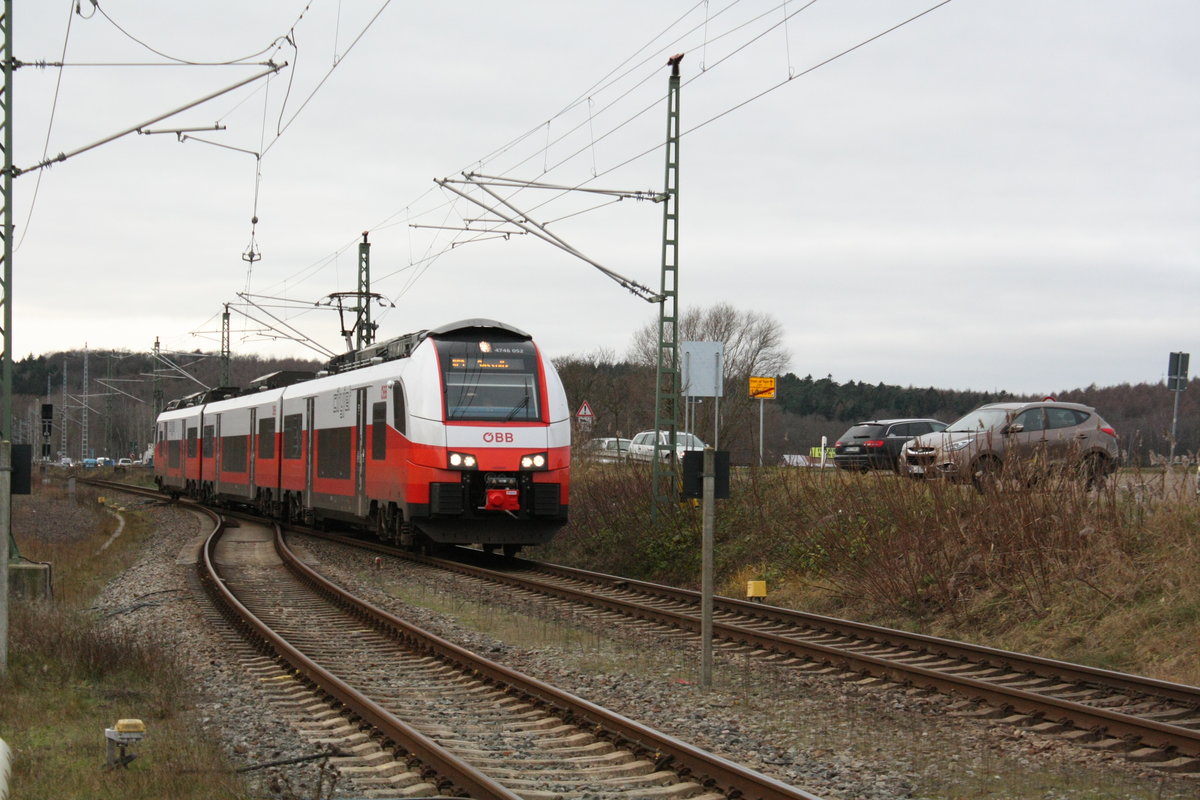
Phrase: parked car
pixel 877 444
pixel 606 450
pixel 124 462
pixel 1023 440
pixel 89 463
pixel 641 447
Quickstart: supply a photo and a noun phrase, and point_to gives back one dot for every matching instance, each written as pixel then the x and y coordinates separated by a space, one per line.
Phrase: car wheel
pixel 1093 470
pixel 986 476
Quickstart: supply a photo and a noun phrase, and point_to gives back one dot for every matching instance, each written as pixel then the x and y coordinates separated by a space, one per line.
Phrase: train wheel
pixel 511 550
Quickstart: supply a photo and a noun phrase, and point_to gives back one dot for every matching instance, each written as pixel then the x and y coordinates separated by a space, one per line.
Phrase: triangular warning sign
pixel 585 410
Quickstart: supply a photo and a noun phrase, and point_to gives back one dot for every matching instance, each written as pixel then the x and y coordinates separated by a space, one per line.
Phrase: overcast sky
pixel 1001 194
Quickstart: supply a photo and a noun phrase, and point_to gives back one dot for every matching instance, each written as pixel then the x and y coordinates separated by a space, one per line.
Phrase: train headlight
pixel 462 461
pixel 534 461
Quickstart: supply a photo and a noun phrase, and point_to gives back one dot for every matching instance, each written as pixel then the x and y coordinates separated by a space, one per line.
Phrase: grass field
pixel 69 676
pixel 1103 577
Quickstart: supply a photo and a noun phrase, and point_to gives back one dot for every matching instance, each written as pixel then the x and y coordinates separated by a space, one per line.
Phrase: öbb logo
pixel 497 437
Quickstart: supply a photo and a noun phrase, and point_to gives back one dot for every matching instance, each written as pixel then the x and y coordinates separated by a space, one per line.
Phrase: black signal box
pixel 693 474
pixel 22 469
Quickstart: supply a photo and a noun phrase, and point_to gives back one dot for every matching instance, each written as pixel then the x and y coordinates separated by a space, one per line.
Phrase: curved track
pixel 1153 721
pixel 450 721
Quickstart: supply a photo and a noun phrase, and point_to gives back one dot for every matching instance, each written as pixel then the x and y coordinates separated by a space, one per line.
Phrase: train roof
pixel 477 324
pixel 399 347
pixel 403 346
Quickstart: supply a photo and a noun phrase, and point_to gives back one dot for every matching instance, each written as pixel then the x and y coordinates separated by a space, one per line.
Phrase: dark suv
pixel 877 444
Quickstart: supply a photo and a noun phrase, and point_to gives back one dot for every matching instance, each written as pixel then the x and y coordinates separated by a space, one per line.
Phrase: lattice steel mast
pixel 666 385
pixel 226 356
pixel 364 331
pixel 6 371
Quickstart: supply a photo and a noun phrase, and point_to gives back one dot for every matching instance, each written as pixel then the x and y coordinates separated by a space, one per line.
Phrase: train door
pixel 217 459
pixel 252 453
pixel 310 434
pixel 362 506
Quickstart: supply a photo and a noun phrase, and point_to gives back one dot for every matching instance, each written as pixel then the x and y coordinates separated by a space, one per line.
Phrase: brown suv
pixel 1024 438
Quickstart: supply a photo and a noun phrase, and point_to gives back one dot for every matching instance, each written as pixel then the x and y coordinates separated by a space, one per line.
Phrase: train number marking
pixel 341 403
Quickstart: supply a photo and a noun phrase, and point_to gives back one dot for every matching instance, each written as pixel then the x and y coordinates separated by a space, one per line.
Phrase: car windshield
pixel 981 419
pixel 688 441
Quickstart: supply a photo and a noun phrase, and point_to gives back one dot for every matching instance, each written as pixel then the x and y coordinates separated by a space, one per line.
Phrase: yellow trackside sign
pixel 762 388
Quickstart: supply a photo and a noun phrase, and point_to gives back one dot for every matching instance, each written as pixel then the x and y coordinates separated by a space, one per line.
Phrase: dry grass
pixel 70 676
pixel 1101 577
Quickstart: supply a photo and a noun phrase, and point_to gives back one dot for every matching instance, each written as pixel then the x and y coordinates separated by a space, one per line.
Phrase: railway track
pixel 1146 720
pixel 409 710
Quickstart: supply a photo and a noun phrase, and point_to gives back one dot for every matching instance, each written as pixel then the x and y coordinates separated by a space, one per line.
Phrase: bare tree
pixel 753 345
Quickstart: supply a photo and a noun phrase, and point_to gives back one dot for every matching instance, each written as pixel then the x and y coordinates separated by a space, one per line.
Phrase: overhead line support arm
pixel 64 156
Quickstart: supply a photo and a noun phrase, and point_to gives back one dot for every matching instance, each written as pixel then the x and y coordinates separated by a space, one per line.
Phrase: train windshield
pixel 490 381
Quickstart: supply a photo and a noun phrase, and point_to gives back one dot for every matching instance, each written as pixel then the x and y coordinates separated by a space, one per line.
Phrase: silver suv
pixel 1020 439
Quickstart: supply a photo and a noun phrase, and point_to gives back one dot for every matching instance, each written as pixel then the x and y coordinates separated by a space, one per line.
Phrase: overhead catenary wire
pixel 49 128
pixel 599 128
pixel 177 60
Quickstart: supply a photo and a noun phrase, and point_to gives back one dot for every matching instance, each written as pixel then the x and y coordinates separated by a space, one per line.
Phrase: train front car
pixel 493 440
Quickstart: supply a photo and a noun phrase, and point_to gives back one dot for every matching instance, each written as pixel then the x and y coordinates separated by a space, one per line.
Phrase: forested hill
pixel 859 401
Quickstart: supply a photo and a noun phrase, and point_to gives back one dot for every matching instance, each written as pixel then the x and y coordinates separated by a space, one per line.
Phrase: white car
pixel 641 447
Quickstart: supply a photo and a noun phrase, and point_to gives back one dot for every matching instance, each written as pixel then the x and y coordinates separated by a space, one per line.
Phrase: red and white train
pixel 456 435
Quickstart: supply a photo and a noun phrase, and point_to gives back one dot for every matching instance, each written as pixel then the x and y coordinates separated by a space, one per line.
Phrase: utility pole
pixel 83 444
pixel 6 230
pixel 226 367
pixel 666 385
pixel 62 431
pixel 158 392
pixel 1177 379
pixel 107 444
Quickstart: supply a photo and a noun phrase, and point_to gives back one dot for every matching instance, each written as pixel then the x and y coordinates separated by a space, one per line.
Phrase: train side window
pixel 333 453
pixel 233 453
pixel 399 412
pixel 293 428
pixel 207 450
pixel 191 442
pixel 266 438
pixel 379 431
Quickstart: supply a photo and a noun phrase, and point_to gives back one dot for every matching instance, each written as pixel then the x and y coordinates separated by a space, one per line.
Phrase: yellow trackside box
pixel 756 589
pixel 130 726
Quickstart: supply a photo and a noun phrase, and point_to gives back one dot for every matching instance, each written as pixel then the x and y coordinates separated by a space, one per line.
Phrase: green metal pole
pixel 364 330
pixel 226 354
pixel 7 371
pixel 6 537
pixel 666 395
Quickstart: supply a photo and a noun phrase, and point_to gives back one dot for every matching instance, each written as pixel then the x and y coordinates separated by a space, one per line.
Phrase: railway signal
pixel 1177 378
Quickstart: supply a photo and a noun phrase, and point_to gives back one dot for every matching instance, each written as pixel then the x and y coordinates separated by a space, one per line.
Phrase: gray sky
pixel 1002 194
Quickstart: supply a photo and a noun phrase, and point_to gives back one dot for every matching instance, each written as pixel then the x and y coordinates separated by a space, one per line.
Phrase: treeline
pixel 855 400
pixel 620 393
pixel 119 394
